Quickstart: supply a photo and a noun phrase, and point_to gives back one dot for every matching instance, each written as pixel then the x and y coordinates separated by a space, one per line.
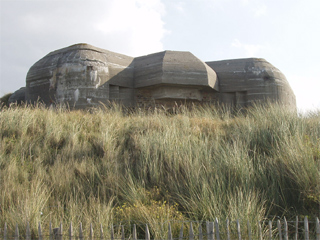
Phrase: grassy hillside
pixel 105 166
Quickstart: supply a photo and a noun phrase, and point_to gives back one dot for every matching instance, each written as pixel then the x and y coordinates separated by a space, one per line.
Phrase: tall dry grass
pixel 110 166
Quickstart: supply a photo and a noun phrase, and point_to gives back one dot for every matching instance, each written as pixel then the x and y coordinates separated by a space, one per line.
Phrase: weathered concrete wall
pixel 79 75
pixel 82 76
pixel 244 81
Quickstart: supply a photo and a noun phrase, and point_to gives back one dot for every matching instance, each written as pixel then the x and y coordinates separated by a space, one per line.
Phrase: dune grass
pixel 112 167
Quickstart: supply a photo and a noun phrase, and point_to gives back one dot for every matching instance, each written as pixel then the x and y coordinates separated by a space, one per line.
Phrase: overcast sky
pixel 284 32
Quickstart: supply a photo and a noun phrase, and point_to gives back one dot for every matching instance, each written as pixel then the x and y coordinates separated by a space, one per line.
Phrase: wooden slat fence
pixel 213 231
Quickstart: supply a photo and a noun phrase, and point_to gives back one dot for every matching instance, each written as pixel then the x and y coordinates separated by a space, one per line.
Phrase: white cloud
pixel 244 2
pixel 250 50
pixel 140 22
pixel 257 7
pixel 31 29
pixel 153 5
pixel 179 6
pixel 260 10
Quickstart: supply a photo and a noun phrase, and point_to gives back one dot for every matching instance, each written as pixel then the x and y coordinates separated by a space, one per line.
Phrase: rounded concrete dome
pixel 77 75
pixel 253 79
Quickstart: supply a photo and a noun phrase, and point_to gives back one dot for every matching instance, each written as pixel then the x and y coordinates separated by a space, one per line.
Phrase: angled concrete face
pixel 173 68
pixel 79 75
pixel 148 70
pixel 252 79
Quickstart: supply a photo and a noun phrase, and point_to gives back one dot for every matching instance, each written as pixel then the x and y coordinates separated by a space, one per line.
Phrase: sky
pixel 284 32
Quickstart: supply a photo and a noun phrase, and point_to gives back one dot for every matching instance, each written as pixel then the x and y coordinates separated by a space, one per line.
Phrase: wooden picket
pixel 214 230
pixel 28 233
pixel 80 231
pixel 279 229
pixel 191 234
pixel 122 232
pixel 101 232
pixel 217 228
pixel 134 232
pixel 285 229
pixel 5 231
pixel 70 232
pixel 260 231
pixel 270 230
pixel 228 229
pixel 91 232
pixel 200 232
pixel 297 228
pixel 317 229
pixel 40 232
pixel 112 233
pixel 181 233
pixel 306 228
pixel 249 230
pixel 16 234
pixel 147 233
pixel 211 231
pixel 50 231
pixel 169 232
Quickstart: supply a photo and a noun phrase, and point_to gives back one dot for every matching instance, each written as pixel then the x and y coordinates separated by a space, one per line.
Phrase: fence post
pixel 28 233
pixel 50 231
pixel 169 232
pixel 238 229
pixel 80 231
pixel 249 230
pixel 101 232
pixel 285 229
pixel 134 232
pixel 112 233
pixel 5 231
pixel 260 231
pixel 16 233
pixel 317 228
pixel 55 233
pixel 213 231
pixel 147 233
pixel 306 228
pixel 181 232
pixel 200 232
pixel 279 229
pixel 122 232
pixel 228 231
pixel 40 231
pixel 270 230
pixel 217 229
pixel 297 232
pixel 210 231
pixel 70 231
pixel 91 232
pixel 60 231
pixel 191 234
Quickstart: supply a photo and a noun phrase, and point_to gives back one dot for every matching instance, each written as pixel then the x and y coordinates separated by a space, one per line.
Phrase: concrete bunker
pixel 84 76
